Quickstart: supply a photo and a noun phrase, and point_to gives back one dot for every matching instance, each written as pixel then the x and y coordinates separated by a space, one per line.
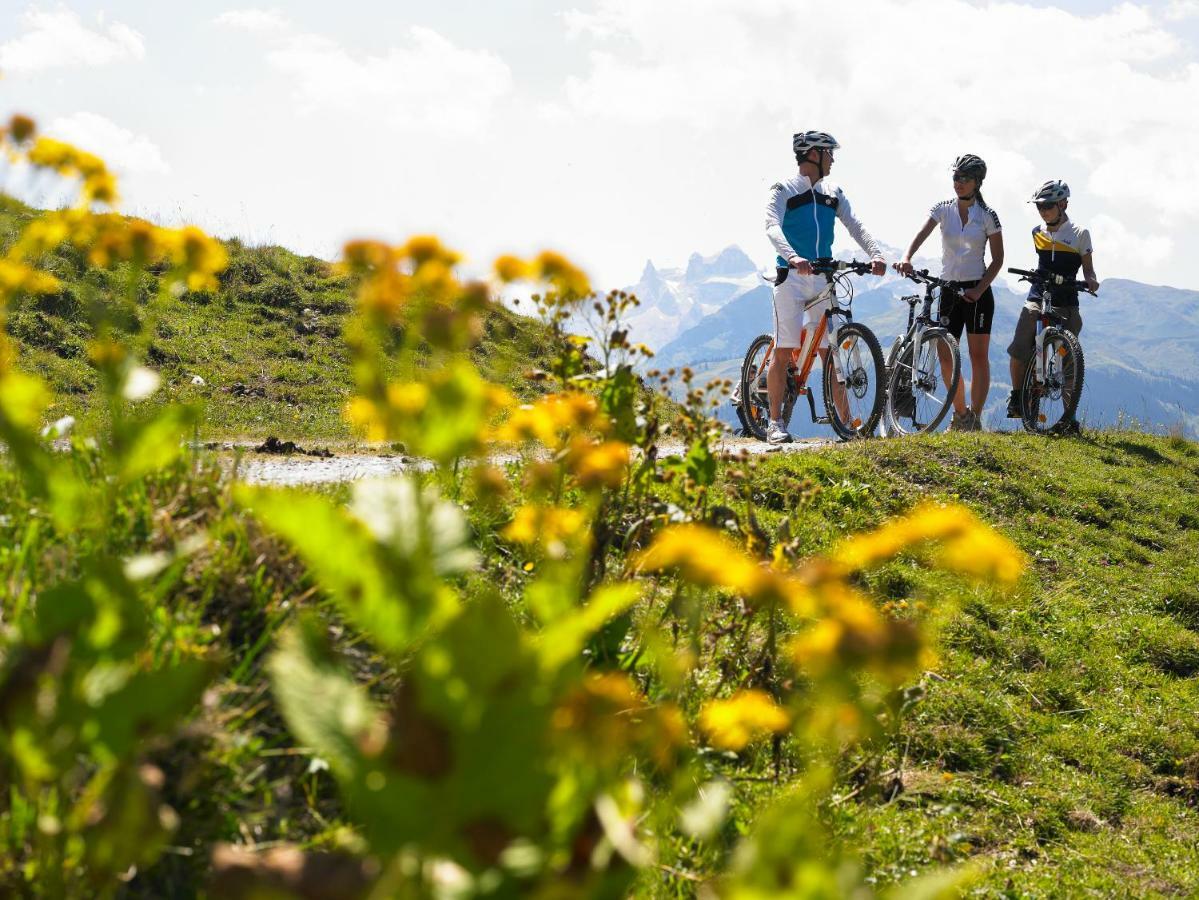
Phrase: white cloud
pixel 1181 9
pixel 124 151
pixel 60 38
pixel 427 85
pixel 1114 239
pixel 906 87
pixel 254 20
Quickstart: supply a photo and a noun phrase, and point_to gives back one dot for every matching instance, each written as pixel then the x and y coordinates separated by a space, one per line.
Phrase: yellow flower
pixel 707 558
pixel 551 527
pixel 19 278
pixel 598 465
pixel 363 413
pixel 100 188
pixel 854 635
pixel 408 398
pixel 436 279
pixel 551 418
pixel 423 249
pixel 967 545
pixel 606 716
pixel 511 268
pixel 566 278
pixel 744 717
pixel 368 256
pixel 48 153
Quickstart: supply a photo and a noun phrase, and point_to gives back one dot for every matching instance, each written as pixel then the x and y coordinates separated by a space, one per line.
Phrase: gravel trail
pixel 298 469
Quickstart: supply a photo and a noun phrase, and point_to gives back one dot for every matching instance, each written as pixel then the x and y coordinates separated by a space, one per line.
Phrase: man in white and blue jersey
pixel 800 216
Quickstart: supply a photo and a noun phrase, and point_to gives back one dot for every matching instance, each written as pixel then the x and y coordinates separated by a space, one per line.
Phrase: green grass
pixel 267 345
pixel 1056 745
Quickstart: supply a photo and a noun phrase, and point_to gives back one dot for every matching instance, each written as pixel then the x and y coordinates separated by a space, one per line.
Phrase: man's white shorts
pixel 789 314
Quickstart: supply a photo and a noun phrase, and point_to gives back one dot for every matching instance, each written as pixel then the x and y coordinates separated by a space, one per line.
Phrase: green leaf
pixel 151 445
pixel 148 703
pixel 387 586
pixel 700 463
pixel 618 400
pixel 323 706
pixel 564 639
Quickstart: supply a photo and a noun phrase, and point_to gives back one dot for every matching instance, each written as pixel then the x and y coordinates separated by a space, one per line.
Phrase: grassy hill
pixel 267 345
pixel 1053 745
pixel 1056 744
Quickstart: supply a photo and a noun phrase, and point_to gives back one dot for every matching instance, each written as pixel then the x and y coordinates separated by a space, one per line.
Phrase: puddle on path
pixel 292 471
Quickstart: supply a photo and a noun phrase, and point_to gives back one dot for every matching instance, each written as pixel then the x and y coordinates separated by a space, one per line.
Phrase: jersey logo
pixel 1042 241
pixel 808 197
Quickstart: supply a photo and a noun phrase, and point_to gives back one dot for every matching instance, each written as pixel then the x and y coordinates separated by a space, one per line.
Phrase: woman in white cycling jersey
pixel 968 227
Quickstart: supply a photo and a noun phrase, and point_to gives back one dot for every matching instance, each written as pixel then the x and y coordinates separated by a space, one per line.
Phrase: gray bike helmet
pixel 1051 192
pixel 971 166
pixel 813 140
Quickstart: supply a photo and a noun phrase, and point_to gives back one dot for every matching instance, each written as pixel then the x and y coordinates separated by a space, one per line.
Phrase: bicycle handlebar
pixel 1051 279
pixel 828 266
pixel 921 276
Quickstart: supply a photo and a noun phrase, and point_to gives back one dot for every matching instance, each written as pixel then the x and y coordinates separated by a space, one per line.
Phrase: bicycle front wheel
pixel 853 382
pixel 1051 399
pixel 920 390
pixel 755 404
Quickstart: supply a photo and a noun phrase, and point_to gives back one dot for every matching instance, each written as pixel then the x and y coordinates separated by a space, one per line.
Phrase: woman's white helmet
pixel 1051 192
pixel 813 140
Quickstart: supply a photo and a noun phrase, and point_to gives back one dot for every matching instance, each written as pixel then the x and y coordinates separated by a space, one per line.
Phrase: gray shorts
pixel 1024 343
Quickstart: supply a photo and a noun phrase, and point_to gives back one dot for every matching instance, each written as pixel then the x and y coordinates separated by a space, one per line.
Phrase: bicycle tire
pixel 859 426
pixel 1069 351
pixel 901 424
pixel 754 414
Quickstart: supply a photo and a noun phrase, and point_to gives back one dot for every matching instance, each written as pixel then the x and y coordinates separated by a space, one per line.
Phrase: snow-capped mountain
pixel 709 290
pixel 673 300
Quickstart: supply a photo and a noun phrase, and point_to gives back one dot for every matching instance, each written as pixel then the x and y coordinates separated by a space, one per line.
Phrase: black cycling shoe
pixel 1014 402
pixel 1071 428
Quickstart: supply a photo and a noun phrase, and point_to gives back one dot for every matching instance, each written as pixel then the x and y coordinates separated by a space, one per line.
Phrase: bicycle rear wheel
pixel 853 382
pixel 920 391
pixel 1048 406
pixel 755 404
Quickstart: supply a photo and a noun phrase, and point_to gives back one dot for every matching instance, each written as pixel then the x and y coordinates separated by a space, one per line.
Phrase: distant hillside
pixel 264 353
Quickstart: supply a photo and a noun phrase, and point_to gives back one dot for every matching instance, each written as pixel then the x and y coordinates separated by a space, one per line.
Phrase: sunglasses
pixel 1045 207
pixel 960 179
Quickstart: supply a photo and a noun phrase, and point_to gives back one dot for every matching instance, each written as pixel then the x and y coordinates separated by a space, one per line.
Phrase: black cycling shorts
pixel 957 313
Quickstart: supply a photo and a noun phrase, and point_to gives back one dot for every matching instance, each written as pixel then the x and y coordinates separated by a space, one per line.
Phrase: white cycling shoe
pixel 777 434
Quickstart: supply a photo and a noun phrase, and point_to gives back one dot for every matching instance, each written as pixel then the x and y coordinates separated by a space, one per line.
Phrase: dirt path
pixel 294 470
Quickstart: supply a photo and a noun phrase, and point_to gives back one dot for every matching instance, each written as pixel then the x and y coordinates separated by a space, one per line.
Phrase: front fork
pixel 845 360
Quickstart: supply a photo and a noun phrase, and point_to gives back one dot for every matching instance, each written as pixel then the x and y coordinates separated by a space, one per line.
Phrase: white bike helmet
pixel 1051 192
pixel 813 140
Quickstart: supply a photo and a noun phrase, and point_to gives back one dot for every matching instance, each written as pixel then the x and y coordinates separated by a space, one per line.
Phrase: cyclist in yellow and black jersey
pixel 1063 248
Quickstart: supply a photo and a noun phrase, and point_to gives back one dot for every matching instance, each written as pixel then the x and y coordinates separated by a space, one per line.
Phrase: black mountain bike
pixel 853 369
pixel 1053 381
pixel 924 365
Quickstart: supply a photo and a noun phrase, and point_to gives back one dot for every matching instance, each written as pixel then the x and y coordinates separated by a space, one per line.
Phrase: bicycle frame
pixel 918 324
pixel 1049 315
pixel 803 358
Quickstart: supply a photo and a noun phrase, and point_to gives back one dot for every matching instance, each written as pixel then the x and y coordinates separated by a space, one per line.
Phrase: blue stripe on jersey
pixel 810 233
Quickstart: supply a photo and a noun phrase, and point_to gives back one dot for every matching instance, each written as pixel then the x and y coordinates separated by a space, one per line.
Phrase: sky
pixel 618 131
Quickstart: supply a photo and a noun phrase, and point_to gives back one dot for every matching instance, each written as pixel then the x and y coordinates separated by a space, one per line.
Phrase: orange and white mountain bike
pixel 853 379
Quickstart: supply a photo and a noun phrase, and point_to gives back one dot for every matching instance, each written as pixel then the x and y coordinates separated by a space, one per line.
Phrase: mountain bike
pixel 924 365
pixel 852 374
pixel 1053 381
